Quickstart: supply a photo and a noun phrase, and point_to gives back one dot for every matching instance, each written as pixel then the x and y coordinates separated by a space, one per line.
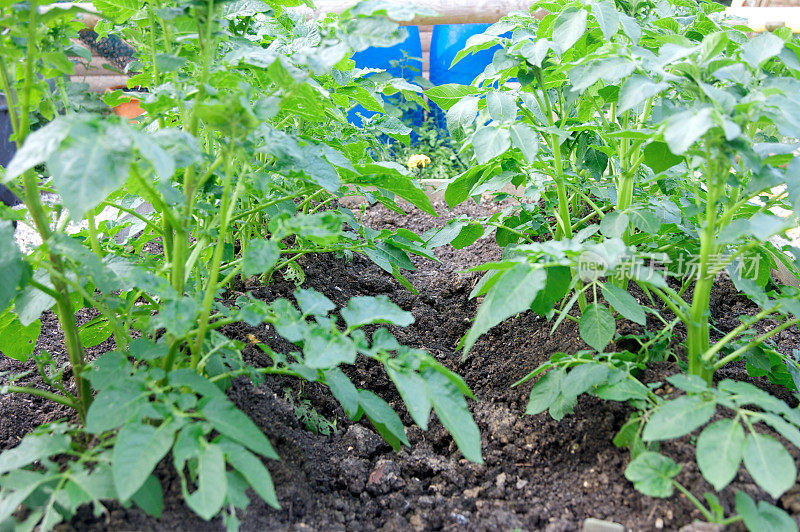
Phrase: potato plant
pixel 243 153
pixel 650 146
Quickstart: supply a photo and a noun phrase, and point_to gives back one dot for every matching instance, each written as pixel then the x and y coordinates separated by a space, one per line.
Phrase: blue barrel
pixel 402 60
pixel 7 150
pixel 446 42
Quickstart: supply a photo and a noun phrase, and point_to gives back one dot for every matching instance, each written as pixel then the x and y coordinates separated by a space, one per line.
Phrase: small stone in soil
pixel 598 525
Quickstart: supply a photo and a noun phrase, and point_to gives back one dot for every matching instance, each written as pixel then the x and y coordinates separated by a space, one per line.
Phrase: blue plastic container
pixel 7 150
pixel 446 42
pixel 403 60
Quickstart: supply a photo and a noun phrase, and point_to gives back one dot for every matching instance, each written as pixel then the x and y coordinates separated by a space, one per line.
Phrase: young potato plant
pixel 690 125
pixel 243 154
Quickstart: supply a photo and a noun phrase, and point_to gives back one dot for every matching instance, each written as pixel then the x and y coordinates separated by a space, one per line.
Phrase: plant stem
pixel 694 501
pixel 722 342
pixel 758 341
pixel 50 396
pixel 94 241
pixel 33 202
pixel 697 330
pixel 228 200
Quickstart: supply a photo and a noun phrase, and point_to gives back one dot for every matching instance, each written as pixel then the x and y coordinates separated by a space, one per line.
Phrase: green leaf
pixel 313 303
pixel 652 474
pixel 637 89
pixel 490 142
pixel 558 282
pixel 324 349
pixel 31 302
pixel 451 407
pixel 137 451
pixel 545 391
pixel 233 423
pixel 658 157
pixel 462 113
pixel 260 256
pixel 212 484
pixel 688 383
pixel 624 303
pixel 764 517
pixel 614 224
pixel 383 418
pixel 770 464
pixel 118 10
pixel 678 417
pixel 11 500
pixel 760 48
pixel 467 236
pixel 684 128
pixel 150 497
pixel 195 382
pixel 512 294
pixel 252 470
pixel 114 407
pixel 502 105
pixel 787 430
pixel 343 390
pixel 32 448
pixel 403 186
pixel 16 340
pixel 366 310
pixel 414 391
pixel 177 316
pixel 713 45
pixel 583 377
pixel 631 27
pixel 169 62
pixel 568 27
pixel 526 140
pixel 163 162
pixel 447 95
pixel 535 52
pixel 89 165
pixel 95 332
pixel 38 146
pixel 719 452
pixel 597 326
pixel 12 267
pixel 610 69
pixel 607 17
pixel 623 390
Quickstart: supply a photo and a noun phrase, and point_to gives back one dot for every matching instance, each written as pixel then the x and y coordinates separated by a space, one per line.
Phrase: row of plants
pixel 244 152
pixel 651 145
pixel 648 143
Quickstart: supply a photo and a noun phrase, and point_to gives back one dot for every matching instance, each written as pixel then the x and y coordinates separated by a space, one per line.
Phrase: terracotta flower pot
pixel 129 109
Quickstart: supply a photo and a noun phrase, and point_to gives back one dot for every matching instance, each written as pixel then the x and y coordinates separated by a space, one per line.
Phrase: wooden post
pixel 446 11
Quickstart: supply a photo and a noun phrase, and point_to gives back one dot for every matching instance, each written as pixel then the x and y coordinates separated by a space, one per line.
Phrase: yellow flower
pixel 418 161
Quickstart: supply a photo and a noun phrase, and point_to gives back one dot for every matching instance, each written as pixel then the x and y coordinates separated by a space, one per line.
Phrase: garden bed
pixel 539 474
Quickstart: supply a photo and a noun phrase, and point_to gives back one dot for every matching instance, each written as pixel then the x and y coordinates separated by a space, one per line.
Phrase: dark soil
pixel 539 474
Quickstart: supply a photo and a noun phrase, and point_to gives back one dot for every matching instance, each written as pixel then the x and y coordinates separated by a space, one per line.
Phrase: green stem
pixel 50 396
pixel 758 341
pixel 247 371
pixel 562 215
pixel 94 241
pixel 30 62
pixel 33 202
pixel 11 95
pixel 697 329
pixel 722 342
pixel 694 501
pixel 228 200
